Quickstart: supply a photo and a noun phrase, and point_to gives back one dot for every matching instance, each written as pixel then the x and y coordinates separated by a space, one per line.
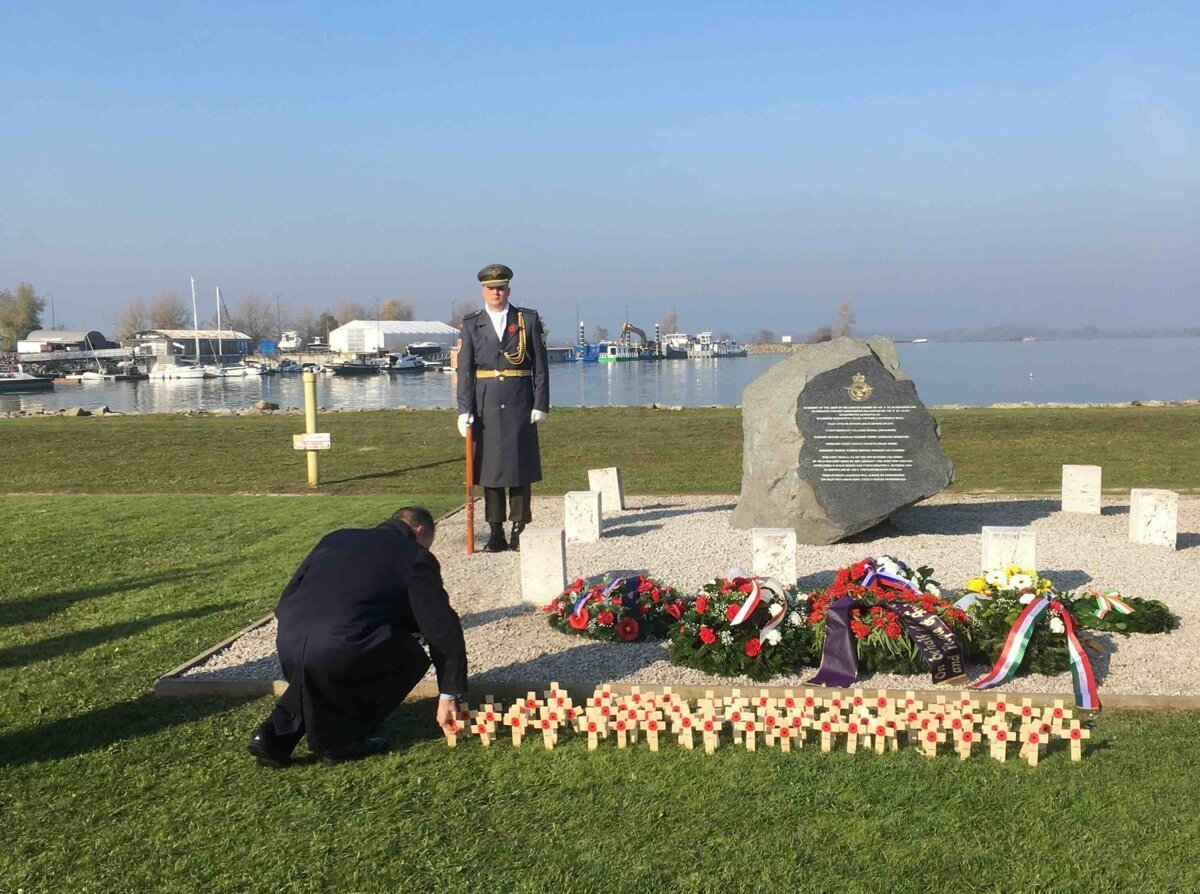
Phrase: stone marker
pixel 835 441
pixel 581 515
pixel 1081 489
pixel 543 564
pixel 608 482
pixel 1153 516
pixel 1004 546
pixel 773 553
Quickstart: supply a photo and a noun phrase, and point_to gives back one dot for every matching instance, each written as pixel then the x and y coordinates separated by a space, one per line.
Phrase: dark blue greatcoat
pixel 506 450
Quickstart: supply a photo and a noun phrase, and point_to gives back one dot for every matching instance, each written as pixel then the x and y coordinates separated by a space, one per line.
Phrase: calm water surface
pixel 947 373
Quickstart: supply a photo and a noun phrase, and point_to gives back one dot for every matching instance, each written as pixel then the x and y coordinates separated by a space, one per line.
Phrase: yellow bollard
pixel 310 426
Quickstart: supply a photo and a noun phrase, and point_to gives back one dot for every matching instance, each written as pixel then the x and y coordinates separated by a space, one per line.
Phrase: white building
pixel 373 336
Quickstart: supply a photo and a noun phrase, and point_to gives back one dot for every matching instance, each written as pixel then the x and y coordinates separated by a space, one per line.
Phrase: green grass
pixel 692 451
pixel 104 788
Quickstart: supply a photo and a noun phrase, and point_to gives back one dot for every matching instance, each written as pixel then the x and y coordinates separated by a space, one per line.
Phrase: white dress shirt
pixel 499 320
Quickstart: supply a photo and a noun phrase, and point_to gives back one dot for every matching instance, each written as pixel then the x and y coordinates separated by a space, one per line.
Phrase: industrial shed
pixel 375 336
pixel 45 340
pixel 182 342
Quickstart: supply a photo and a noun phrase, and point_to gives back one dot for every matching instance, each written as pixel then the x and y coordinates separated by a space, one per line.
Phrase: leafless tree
pixel 461 308
pixel 764 337
pixel 254 317
pixel 134 318
pixel 350 310
pixel 844 321
pixel 398 309
pixel 167 311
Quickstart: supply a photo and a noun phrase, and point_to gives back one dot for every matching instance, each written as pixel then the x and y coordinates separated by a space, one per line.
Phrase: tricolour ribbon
pixel 776 588
pixel 1015 645
pixel 605 593
pixel 1111 600
pixel 839 661
pixel 1086 694
pixel 873 574
pixel 751 603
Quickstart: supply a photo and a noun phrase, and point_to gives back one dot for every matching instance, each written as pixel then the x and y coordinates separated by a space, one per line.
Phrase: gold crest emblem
pixel 859 389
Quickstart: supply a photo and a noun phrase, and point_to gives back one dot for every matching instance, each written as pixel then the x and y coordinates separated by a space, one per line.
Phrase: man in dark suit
pixel 504 391
pixel 346 625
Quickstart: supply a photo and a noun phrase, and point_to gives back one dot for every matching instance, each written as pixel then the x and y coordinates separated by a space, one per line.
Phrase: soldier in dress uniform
pixel 504 391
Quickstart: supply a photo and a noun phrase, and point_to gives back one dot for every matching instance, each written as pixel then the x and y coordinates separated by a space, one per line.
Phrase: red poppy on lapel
pixel 512 327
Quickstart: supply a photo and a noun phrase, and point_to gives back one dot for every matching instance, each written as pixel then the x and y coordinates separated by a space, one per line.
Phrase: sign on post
pixel 314 441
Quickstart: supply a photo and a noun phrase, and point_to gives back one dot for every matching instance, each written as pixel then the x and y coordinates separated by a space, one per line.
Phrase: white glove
pixel 536 416
pixel 464 419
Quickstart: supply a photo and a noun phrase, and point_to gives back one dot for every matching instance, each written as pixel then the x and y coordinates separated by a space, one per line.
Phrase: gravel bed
pixel 687 540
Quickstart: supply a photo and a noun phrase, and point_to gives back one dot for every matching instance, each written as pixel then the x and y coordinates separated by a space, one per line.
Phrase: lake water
pixel 1103 371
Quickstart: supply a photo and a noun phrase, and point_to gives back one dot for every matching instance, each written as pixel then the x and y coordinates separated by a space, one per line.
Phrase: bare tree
pixel 398 309
pixel 254 317
pixel 167 311
pixel 764 337
pixel 669 322
pixel 844 320
pixel 350 310
pixel 134 318
pixel 461 308
pixel 305 323
pixel 599 334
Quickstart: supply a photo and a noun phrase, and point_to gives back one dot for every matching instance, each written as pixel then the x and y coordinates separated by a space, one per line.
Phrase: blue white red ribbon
pixel 873 574
pixel 584 598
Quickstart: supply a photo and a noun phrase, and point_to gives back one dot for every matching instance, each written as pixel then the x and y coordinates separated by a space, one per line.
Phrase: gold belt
pixel 502 373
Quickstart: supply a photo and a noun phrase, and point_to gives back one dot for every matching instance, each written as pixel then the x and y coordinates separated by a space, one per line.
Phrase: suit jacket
pixel 357 599
pixel 507 453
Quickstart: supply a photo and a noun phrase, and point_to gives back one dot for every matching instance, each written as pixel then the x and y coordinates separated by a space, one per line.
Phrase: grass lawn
pixel 105 788
pixel 691 451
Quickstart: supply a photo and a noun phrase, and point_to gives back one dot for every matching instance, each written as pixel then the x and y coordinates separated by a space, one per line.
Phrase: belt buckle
pixel 500 376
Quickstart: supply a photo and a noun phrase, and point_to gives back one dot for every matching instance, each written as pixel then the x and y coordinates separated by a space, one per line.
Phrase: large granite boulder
pixel 835 441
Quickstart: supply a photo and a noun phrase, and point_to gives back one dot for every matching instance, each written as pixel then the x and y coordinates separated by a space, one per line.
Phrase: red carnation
pixel 747 588
pixel 753 647
pixel 731 612
pixel 675 610
pixel 879 621
pixel 860 629
pixel 655 595
pixel 627 629
pixel 707 636
pixel 701 604
pixel 605 619
pixel 893 630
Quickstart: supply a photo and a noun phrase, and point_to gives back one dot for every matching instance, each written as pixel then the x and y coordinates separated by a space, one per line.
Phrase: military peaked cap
pixel 495 275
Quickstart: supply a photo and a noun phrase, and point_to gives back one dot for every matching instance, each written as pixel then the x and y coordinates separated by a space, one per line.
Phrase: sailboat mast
pixel 195 319
pixel 218 325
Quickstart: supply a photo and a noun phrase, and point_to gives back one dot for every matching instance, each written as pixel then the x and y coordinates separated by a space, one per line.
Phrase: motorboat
pixel 353 368
pixel 404 363
pixel 18 382
pixel 288 367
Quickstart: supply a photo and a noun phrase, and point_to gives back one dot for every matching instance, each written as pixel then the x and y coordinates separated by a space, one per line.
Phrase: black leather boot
pixel 271 749
pixel 496 542
pixel 514 539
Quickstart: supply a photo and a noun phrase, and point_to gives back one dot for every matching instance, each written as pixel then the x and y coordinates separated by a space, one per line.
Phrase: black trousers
pixel 518 504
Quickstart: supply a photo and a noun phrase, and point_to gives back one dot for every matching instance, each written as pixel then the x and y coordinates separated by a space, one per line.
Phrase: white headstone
pixel 1003 546
pixel 1081 489
pixel 1153 516
pixel 581 515
pixel 773 553
pixel 543 564
pixel 608 482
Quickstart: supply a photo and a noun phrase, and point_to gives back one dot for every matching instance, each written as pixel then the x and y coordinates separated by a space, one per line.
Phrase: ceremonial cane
pixel 470 488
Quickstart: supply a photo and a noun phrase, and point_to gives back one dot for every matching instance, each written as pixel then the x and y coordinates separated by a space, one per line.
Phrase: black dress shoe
pixel 269 749
pixel 496 542
pixel 514 539
pixel 355 751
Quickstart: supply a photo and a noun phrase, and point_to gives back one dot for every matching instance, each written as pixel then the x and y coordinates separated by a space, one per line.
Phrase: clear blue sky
pixel 750 165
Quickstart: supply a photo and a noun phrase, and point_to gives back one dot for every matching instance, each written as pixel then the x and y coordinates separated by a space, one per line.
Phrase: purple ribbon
pixel 839 660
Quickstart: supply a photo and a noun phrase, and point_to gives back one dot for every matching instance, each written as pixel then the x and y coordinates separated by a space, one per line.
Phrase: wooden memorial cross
pixel 931 737
pixel 652 722
pixel 1000 706
pixel 828 726
pixel 452 733
pixel 1028 712
pixel 595 725
pixel 883 730
pixel 750 728
pixel 798 723
pixel 912 724
pixel 629 713
pixel 783 736
pixel 517 720
pixel 1076 734
pixel 685 728
pixel 883 703
pixel 911 702
pixel 853 727
pixel 967 704
pixel 549 730
pixel 1059 713
pixel 857 700
pixel 788 702
pixel 964 739
pixel 811 702
pixel 770 722
pixel 621 727
pixel 764 702
pixel 711 726
pixel 834 702
pixel 1034 739
pixel 1000 735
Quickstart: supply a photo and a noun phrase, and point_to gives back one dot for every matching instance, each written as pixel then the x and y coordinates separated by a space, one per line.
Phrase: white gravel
pixel 687 540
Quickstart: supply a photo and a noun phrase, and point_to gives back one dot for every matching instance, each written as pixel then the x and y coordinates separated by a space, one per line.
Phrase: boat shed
pixel 46 340
pixel 182 342
pixel 377 336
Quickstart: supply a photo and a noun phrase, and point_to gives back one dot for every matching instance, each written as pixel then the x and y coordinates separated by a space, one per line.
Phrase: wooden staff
pixel 470 488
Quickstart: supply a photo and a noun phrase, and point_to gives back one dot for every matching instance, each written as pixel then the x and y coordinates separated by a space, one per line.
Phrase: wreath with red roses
pixel 622 609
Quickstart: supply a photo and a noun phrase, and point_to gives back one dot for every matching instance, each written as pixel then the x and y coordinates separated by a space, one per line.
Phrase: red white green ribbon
pixel 1015 645
pixel 1082 678
pixel 1111 600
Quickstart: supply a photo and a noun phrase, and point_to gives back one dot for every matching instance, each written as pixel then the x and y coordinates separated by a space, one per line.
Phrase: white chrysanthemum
pixel 1020 582
pixel 796 619
pixel 933 590
pixel 725 637
pixel 773 638
pixel 996 578
pixel 1057 625
pixel 1027 598
pixel 888 565
pixel 775 608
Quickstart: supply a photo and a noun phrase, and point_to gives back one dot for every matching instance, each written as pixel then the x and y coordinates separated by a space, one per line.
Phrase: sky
pixel 748 165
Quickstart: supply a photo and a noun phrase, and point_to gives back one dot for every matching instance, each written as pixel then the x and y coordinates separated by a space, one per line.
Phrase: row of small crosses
pixel 853 720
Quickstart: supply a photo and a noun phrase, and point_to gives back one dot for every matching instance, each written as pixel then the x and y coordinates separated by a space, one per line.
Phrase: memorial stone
pixel 582 516
pixel 543 564
pixel 608 482
pixel 1002 547
pixel 1153 516
pixel 835 441
pixel 773 554
pixel 1081 489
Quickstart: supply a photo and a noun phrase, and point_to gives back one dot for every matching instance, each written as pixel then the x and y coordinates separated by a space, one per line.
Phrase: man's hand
pixel 445 715
pixel 536 416
pixel 464 420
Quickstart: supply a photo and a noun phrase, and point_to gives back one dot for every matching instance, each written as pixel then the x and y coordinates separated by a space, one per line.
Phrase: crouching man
pixel 345 640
